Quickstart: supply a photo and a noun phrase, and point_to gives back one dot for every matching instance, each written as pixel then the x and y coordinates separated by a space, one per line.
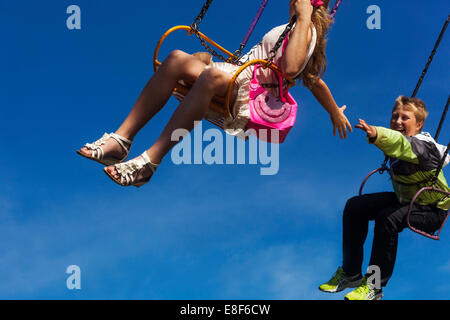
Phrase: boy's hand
pixel 370 130
pixel 341 123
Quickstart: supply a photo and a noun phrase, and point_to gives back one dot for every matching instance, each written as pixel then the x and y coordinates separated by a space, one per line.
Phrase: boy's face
pixel 404 121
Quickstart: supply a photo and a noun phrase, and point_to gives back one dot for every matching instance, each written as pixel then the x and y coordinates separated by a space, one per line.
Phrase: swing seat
pixel 219 104
pixel 434 236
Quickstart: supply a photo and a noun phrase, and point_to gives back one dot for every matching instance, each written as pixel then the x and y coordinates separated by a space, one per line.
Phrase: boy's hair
pixel 317 65
pixel 415 105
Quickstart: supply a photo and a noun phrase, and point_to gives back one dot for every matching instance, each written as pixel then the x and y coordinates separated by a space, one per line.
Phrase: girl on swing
pixel 303 57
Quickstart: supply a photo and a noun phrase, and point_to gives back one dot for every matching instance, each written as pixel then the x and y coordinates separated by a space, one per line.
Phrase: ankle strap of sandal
pixel 121 141
pixel 148 162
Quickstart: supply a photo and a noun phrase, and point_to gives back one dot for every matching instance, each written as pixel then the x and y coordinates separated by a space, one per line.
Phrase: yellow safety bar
pixel 190 32
pixel 226 108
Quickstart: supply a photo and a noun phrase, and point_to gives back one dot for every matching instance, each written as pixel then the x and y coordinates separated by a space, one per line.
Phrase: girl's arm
pixel 323 95
pixel 299 39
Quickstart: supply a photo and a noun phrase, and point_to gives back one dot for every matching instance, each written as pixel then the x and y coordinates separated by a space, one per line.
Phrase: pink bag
pixel 269 112
pixel 273 115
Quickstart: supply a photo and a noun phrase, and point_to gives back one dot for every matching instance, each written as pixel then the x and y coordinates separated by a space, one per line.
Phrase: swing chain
pixel 280 40
pixel 235 59
pixel 441 122
pixel 213 52
pixel 237 56
pixel 384 167
pixel 441 164
pixel 195 30
pixel 289 27
pixel 430 58
pixel 200 16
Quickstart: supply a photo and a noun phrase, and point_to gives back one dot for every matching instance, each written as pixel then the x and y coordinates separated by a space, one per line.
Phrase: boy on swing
pixel 414 157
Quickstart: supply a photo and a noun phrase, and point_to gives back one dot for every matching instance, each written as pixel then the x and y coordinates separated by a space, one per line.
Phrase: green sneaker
pixel 365 292
pixel 341 281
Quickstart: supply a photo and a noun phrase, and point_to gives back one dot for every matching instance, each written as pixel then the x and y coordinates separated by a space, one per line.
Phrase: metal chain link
pixel 441 122
pixel 237 55
pixel 195 30
pixel 273 52
pixel 213 52
pixel 200 16
pixel 235 59
pixel 384 167
pixel 441 163
pixel 430 59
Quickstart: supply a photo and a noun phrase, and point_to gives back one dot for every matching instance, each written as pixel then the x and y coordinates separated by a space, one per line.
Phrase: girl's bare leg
pixel 177 66
pixel 211 82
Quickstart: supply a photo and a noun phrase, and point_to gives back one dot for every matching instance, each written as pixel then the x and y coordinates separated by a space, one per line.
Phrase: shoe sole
pixel 137 185
pixel 376 298
pixel 110 163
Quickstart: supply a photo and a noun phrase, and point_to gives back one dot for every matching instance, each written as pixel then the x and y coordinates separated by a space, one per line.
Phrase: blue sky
pixel 196 231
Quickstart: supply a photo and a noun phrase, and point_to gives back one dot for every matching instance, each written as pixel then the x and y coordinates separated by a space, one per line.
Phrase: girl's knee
pixel 176 57
pixel 214 79
pixel 183 66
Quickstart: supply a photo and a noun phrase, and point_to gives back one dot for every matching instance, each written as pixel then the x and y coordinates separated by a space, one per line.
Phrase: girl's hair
pixel 415 105
pixel 317 65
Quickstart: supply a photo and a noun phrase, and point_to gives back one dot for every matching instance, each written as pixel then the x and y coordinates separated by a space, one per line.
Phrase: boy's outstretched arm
pixel 323 95
pixel 371 131
pixel 394 144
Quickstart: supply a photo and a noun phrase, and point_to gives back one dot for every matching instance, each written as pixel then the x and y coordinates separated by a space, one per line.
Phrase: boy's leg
pixel 426 218
pixel 387 227
pixel 357 214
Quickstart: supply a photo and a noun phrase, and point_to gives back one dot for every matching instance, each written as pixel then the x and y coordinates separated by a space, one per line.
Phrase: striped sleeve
pixel 420 149
pixel 395 145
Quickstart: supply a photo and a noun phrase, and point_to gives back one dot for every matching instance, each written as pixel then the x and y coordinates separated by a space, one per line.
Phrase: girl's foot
pixel 135 172
pixel 108 150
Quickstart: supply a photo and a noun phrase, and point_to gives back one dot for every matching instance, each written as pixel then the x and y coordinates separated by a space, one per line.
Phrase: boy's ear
pixel 419 125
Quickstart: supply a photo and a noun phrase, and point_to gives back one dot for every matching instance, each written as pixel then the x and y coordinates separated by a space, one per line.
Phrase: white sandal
pixel 128 171
pixel 98 153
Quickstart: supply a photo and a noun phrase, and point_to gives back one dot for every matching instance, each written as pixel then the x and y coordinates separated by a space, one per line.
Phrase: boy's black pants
pixel 390 219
